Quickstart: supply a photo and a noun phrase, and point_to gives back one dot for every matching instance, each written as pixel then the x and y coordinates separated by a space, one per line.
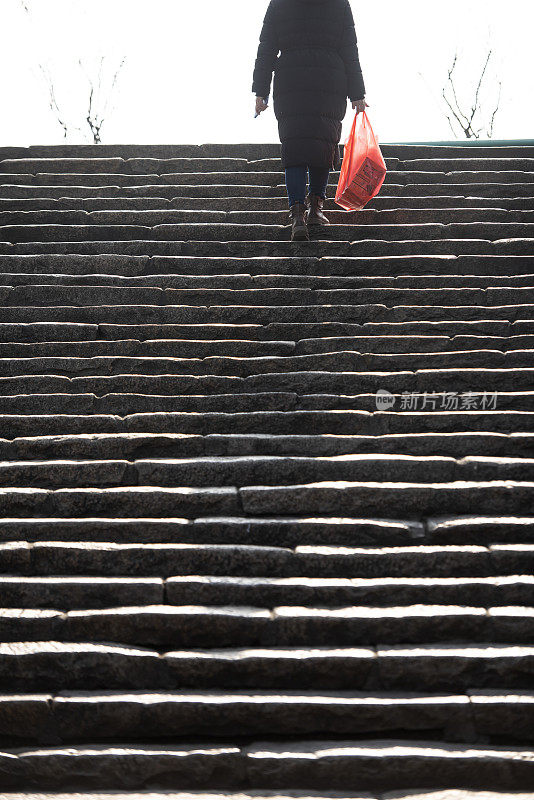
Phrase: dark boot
pixel 314 214
pixel 299 229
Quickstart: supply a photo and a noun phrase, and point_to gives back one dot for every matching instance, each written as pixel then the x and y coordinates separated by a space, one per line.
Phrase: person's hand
pixel 359 105
pixel 261 105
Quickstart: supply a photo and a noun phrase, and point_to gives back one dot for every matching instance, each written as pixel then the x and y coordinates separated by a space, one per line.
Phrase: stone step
pixel 180 445
pixel 158 166
pixel 194 348
pixel 361 764
pixel 165 560
pixel 182 272
pixel 44 332
pixel 261 470
pixel 162 166
pixel 267 314
pixel 233 231
pixel 65 295
pixel 46 666
pixel 252 151
pixel 141 716
pixel 258 176
pixel 286 331
pixel 457 497
pixel 327 592
pixel 436 347
pixel 281 248
pixel 131 501
pixel 299 267
pixel 94 592
pixel 453 794
pixel 247 281
pixel 449 163
pixel 386 202
pixel 129 403
pixel 270 423
pixel 262 216
pixel 253 203
pixel 278 531
pixel 166 626
pixel 454 381
pixel 362 247
pixel 71 592
pixel 275 531
pixel 273 187
pixel 389 344
pixel 245 365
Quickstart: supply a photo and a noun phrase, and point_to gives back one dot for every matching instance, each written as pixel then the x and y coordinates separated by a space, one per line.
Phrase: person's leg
pixel 296 184
pixel 317 196
pixel 319 181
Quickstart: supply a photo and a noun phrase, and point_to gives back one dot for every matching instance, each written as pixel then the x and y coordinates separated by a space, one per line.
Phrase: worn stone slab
pixel 96 765
pixel 481 529
pixel 501 497
pixel 22 716
pixel 174 348
pixel 54 665
pixel 510 713
pixel 125 716
pixel 243 470
pixel 13 425
pixel 310 764
pixel 131 501
pixel 89 592
pixel 351 764
pixel 239 279
pixel 440 667
pixel 274 531
pixel 103 446
pixel 329 592
pixel 62 473
pixel 159 384
pixel 344 422
pixel 246 364
pixel 175 445
pixel 166 626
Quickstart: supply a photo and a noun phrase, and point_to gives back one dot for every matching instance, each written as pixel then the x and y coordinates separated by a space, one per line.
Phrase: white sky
pixel 188 71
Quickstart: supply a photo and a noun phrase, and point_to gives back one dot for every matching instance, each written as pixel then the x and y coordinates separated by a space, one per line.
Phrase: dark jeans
pixel 296 178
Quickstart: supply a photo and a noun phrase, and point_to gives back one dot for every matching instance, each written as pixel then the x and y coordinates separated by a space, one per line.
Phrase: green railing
pixel 475 143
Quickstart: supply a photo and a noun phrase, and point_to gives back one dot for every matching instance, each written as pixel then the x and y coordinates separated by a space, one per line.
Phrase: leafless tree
pixel 465 120
pixel 52 102
pixel 99 99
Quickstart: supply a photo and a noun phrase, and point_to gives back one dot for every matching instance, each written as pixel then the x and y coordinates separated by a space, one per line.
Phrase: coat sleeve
pixel 267 52
pixel 349 53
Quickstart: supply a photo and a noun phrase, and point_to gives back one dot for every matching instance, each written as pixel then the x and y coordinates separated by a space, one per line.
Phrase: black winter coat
pixel 317 69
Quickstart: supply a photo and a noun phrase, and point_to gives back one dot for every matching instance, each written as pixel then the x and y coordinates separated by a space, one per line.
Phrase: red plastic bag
pixel 363 169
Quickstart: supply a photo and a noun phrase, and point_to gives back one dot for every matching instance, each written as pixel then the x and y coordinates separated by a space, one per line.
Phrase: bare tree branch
pixel 492 121
pixel 453 112
pixel 475 106
pixel 453 88
pixel 98 101
pixel 96 116
pixel 467 122
pixel 52 102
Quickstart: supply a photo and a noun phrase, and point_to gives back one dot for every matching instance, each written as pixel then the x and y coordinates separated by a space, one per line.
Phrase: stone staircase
pixel 224 569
